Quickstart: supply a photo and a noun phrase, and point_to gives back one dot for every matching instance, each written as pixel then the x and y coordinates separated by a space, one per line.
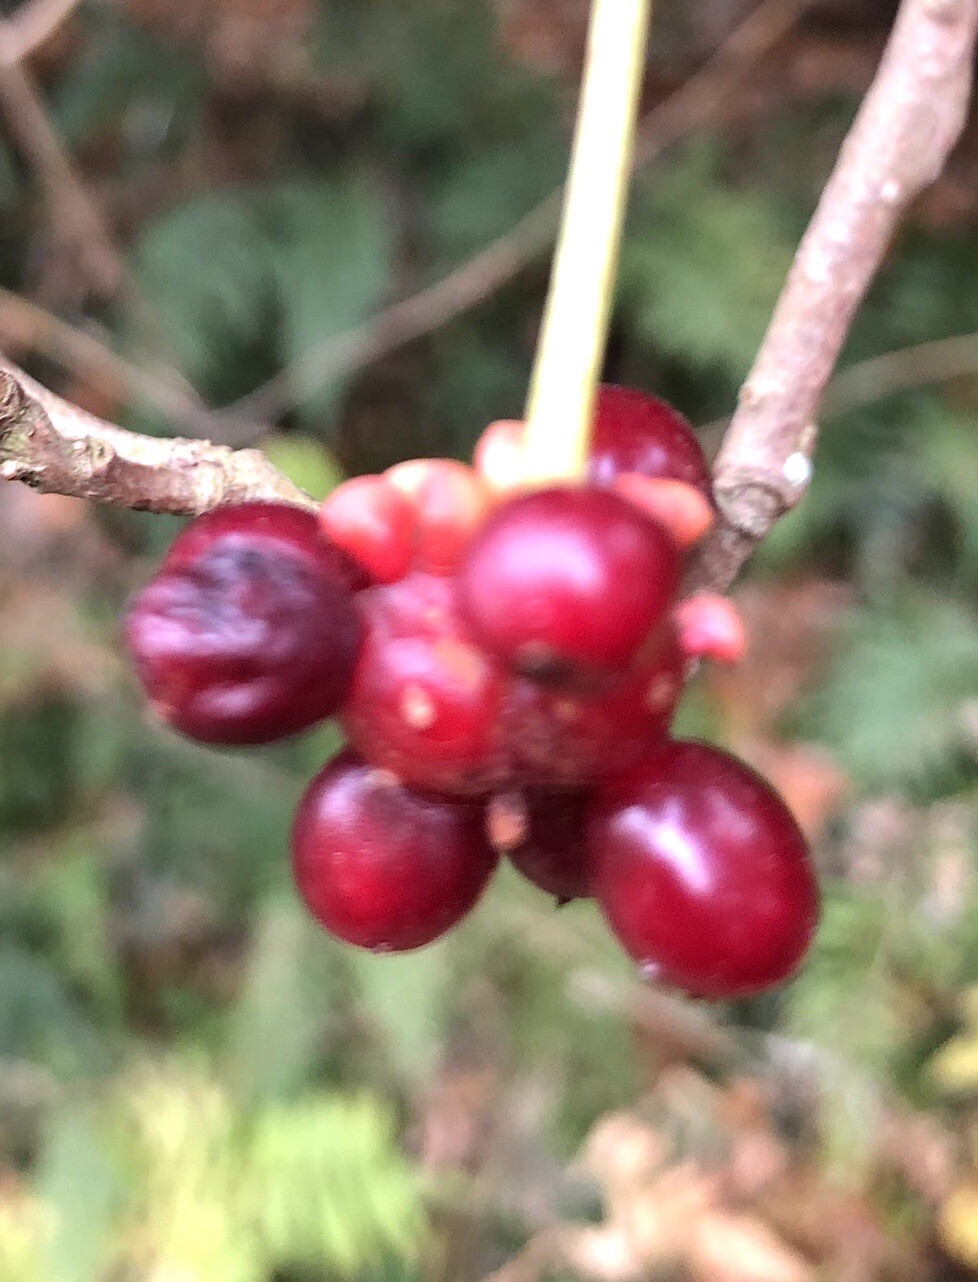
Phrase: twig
pixel 33 24
pixel 22 320
pixel 690 107
pixel 72 207
pixel 903 133
pixel 70 204
pixel 57 448
pixel 901 370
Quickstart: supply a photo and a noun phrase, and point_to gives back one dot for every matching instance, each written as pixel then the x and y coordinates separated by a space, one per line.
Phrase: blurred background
pixel 195 1084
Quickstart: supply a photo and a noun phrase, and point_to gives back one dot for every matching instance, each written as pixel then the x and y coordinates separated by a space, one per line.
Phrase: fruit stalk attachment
pixel 575 323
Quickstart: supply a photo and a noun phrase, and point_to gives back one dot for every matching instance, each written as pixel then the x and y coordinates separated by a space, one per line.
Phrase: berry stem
pixel 575 324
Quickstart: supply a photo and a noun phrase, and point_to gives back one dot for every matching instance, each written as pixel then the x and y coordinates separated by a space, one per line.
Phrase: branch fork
pixel 902 136
pixel 898 144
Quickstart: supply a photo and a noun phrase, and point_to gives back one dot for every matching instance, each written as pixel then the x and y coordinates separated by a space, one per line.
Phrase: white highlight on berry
pixel 417 708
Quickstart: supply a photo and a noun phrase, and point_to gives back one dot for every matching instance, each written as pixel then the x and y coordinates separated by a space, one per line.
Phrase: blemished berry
pixel 268 526
pixel 425 701
pixel 568 585
pixel 552 854
pixel 383 867
pixel 249 631
pixel 559 737
pixel 702 872
pixel 637 432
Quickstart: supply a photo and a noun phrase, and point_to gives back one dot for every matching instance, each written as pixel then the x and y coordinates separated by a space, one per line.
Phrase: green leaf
pixel 80 1185
pixel 203 268
pixel 482 196
pixel 892 705
pixel 41 1021
pixel 305 461
pixel 331 254
pixel 288 994
pixel 702 264
pixel 124 71
pixel 844 1005
pixel 327 1188
pixel 434 70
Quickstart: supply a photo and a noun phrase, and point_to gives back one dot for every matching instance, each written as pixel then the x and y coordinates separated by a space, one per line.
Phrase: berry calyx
pixel 498 456
pixel 676 505
pixel 452 504
pixel 568 585
pixel 702 872
pixel 249 632
pixel 382 867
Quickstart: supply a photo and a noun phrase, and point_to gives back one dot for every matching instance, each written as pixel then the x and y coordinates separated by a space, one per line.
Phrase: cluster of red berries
pixel 506 666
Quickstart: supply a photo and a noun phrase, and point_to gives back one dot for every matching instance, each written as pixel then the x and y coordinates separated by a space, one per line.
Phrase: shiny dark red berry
pixel 637 432
pixel 552 853
pixel 702 872
pixel 567 586
pixel 425 701
pixel 249 631
pixel 383 867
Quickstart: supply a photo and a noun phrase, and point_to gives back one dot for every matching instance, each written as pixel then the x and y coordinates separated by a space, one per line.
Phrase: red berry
pixel 425 701
pixel 249 631
pixel 710 627
pixel 552 854
pixel 568 585
pixel 373 522
pixel 498 456
pixel 637 432
pixel 382 867
pixel 452 505
pixel 702 872
pixel 450 502
pixel 555 737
